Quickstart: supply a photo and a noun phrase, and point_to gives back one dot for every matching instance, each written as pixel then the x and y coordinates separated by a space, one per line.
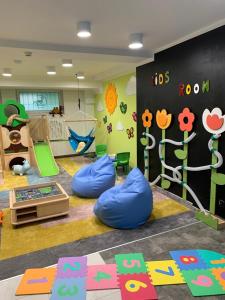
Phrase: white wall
pixel 7 94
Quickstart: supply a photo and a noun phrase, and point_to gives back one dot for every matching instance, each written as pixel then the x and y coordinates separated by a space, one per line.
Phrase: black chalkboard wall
pixel 201 58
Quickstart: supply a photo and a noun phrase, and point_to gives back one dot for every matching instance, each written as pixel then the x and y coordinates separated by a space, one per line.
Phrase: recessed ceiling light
pixel 136 41
pixel 80 75
pixel 17 61
pixel 7 72
pixel 84 29
pixel 28 53
pixel 51 71
pixel 67 63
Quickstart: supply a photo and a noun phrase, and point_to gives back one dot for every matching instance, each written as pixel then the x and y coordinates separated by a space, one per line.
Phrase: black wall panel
pixel 196 60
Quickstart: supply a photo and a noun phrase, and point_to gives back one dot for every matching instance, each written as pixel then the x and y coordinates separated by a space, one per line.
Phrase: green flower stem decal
pixel 146 156
pixel 163 155
pixel 185 163
pixel 212 207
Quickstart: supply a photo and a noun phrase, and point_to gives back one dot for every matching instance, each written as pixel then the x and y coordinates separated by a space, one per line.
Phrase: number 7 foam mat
pixel 164 272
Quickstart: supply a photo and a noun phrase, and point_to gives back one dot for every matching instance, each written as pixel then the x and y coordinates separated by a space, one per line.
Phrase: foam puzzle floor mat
pixel 202 270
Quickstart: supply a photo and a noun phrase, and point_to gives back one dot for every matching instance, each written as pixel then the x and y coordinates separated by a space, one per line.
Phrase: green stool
pixel 122 160
pixel 101 150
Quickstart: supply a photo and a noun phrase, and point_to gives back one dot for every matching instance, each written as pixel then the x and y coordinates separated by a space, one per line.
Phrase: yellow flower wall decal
pixel 111 98
pixel 163 119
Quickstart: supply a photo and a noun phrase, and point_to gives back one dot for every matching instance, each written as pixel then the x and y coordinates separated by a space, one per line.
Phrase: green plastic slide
pixel 45 160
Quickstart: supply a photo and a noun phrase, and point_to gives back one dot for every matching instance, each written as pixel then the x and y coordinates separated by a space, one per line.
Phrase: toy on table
pixel 21 169
pixel 1 216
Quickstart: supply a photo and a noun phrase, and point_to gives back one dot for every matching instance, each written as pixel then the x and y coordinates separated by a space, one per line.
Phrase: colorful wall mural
pixel 180 127
pixel 115 110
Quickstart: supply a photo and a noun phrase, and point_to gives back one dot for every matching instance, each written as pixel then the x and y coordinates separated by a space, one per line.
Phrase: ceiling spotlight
pixel 136 41
pixel 51 71
pixel 28 53
pixel 7 72
pixel 84 29
pixel 67 63
pixel 17 61
pixel 80 75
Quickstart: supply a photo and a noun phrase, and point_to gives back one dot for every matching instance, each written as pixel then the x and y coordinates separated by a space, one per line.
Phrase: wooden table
pixel 38 202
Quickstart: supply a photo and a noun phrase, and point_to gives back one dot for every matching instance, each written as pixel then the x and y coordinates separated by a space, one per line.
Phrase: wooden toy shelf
pixel 38 202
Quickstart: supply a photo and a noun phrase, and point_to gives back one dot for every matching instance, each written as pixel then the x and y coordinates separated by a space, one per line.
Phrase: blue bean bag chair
pixel 127 205
pixel 92 180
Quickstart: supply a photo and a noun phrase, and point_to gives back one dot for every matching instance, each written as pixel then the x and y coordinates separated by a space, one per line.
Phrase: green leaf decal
pixel 218 178
pixel 143 141
pixel 165 184
pixel 180 154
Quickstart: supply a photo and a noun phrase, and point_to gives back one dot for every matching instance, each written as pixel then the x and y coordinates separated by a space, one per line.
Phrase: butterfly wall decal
pixel 123 107
pixel 130 132
pixel 109 128
pixel 134 116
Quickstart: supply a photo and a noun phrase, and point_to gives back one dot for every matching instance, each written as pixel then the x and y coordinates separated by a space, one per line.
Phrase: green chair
pixel 122 160
pixel 101 150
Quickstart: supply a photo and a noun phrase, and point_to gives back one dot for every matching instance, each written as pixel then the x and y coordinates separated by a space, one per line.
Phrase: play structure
pixel 202 271
pixel 92 180
pixel 58 130
pixel 21 142
pixel 38 202
pixel 29 139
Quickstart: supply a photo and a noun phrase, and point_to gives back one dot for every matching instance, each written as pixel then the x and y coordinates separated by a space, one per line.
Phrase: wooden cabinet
pixel 38 202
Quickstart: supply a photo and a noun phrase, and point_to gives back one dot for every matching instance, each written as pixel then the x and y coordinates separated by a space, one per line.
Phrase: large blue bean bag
pixel 92 180
pixel 127 205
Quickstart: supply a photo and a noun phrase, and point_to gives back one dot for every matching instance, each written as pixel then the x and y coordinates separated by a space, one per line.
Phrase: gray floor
pixel 17 265
pixel 154 247
pixel 157 247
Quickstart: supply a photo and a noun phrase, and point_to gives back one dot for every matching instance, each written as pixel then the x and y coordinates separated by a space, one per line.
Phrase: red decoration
pixel 186 120
pixel 181 89
pixel 214 122
pixel 188 259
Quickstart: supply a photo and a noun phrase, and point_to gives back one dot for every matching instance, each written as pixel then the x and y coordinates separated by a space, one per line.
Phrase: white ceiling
pixel 48 29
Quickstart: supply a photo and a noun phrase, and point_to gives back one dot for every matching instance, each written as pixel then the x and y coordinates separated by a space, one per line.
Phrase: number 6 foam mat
pixel 202 270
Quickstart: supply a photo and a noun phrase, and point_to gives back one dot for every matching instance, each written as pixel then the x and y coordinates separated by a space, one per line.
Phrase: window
pixel 39 100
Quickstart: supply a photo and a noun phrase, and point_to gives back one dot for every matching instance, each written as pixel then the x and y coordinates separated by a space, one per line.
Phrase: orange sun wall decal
pixel 111 98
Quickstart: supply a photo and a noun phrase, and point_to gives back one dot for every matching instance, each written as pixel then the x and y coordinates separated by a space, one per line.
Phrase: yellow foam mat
pixel 71 164
pixel 166 208
pixel 12 181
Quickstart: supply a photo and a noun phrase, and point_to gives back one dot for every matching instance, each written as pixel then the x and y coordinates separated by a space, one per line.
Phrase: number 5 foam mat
pixel 202 270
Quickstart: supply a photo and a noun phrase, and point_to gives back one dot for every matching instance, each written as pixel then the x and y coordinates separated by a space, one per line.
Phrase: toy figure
pixel 21 169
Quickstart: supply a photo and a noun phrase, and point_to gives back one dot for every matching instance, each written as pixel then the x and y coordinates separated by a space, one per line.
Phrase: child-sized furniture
pixel 92 180
pixel 38 202
pixel 101 150
pixel 122 160
pixel 126 205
